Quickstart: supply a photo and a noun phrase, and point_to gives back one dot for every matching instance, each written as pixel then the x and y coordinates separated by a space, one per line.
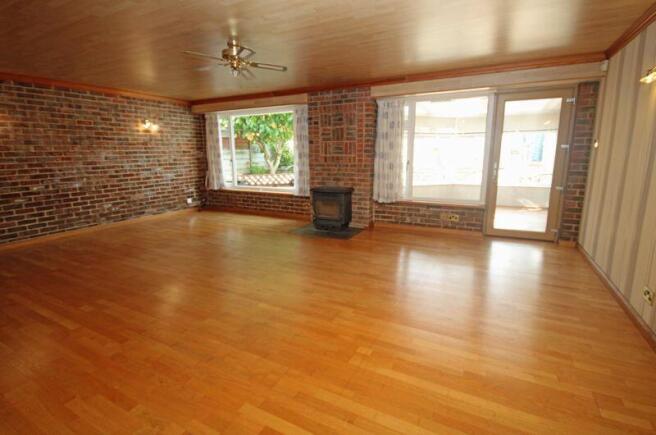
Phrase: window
pixel 446 148
pixel 258 148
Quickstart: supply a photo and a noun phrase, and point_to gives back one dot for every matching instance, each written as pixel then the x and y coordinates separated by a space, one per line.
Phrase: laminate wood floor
pixel 214 322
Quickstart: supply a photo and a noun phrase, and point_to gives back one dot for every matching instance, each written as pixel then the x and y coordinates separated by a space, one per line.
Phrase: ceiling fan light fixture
pixel 238 58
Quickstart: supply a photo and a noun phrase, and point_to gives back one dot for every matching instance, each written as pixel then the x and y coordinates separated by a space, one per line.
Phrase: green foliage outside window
pixel 257 169
pixel 270 133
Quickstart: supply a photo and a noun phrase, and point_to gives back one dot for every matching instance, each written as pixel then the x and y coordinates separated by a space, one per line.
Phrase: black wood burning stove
pixel 331 207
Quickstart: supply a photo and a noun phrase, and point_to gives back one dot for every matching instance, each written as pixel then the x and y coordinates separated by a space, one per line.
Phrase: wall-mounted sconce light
pixel 650 76
pixel 149 126
pixel 596 144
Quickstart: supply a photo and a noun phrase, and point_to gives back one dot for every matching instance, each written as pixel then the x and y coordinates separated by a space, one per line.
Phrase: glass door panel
pixel 528 164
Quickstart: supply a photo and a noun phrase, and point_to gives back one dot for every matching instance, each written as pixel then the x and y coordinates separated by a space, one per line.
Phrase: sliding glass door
pixel 528 163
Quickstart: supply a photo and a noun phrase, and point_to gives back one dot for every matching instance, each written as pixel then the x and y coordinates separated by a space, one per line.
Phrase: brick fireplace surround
pixel 74 158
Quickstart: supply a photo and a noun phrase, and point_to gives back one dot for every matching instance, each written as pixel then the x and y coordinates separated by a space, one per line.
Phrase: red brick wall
pixel 259 201
pixel 430 215
pixel 579 160
pixel 74 158
pixel 71 159
pixel 342 130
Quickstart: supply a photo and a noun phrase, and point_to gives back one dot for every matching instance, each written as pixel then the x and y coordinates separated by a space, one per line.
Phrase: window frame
pixel 412 101
pixel 230 114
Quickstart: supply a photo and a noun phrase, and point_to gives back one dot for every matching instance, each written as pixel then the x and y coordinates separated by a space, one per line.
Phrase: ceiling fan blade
pixel 269 66
pixel 205 68
pixel 249 52
pixel 206 56
pixel 247 74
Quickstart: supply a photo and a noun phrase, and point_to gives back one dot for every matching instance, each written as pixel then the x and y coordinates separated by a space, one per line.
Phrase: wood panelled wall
pixel 619 222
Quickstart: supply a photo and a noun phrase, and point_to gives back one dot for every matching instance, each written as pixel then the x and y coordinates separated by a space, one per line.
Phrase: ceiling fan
pixel 237 58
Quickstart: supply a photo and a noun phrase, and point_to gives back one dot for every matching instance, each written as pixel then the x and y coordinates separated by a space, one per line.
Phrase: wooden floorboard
pixel 226 323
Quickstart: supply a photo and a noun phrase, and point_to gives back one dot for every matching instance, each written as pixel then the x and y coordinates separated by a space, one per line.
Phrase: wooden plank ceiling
pixel 138 45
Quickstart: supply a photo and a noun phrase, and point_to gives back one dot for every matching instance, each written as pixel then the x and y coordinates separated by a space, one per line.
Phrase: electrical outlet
pixel 190 201
pixel 648 295
pixel 451 217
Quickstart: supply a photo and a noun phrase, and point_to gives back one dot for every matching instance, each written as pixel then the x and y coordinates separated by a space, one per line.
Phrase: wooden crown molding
pixel 634 30
pixel 87 87
pixel 457 72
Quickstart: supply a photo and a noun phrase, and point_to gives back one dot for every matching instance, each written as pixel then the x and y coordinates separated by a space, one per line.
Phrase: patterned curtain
pixel 301 152
pixel 214 179
pixel 388 163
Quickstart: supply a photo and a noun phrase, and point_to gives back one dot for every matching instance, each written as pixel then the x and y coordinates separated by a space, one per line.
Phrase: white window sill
pixel 255 189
